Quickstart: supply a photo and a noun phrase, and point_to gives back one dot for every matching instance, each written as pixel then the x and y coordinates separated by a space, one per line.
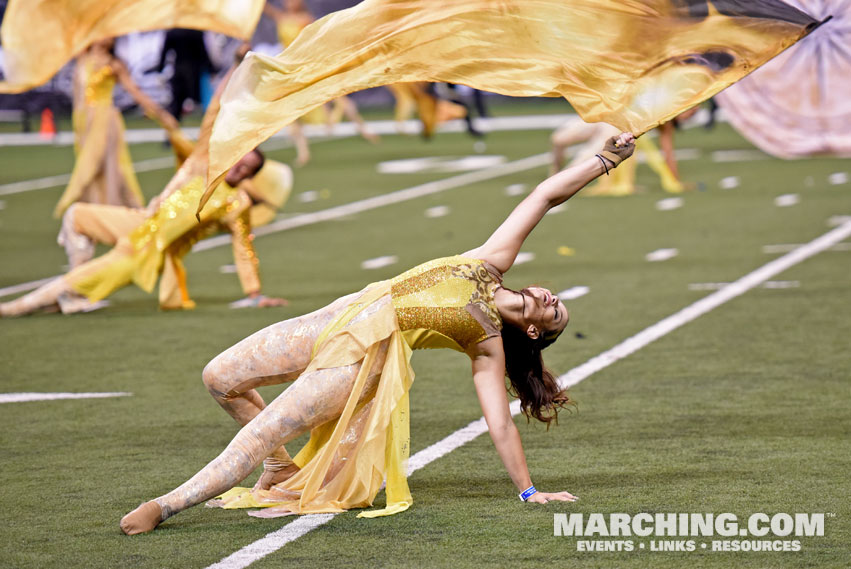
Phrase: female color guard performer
pixel 349 364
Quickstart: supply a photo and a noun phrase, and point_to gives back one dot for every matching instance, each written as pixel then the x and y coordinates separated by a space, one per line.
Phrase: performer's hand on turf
pixel 258 300
pixel 270 301
pixel 544 497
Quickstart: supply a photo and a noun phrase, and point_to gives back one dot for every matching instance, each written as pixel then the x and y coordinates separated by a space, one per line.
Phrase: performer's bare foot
pixel 679 187
pixel 370 136
pixel 271 477
pixel 302 159
pixel 184 305
pixel 143 519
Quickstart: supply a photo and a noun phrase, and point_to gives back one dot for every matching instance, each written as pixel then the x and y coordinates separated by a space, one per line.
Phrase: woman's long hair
pixel 531 382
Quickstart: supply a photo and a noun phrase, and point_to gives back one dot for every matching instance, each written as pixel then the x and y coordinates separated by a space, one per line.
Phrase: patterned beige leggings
pixel 274 355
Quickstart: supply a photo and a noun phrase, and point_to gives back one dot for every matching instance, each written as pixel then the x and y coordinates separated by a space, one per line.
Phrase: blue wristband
pixel 527 493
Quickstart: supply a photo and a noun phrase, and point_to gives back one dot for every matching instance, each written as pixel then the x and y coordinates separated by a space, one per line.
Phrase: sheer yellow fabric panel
pixel 40 36
pixel 102 150
pixel 631 64
pixel 346 460
pixel 103 275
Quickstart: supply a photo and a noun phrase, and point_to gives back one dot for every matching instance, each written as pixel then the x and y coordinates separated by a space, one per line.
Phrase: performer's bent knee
pixel 223 386
pixel 212 378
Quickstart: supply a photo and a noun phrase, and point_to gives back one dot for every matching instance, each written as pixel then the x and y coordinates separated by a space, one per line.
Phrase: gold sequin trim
pixel 99 85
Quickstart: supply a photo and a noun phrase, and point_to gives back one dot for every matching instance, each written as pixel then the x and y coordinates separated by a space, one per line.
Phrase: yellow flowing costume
pixel 154 241
pixel 103 171
pixel 431 110
pixel 40 36
pixel 352 362
pixel 161 241
pixel 150 243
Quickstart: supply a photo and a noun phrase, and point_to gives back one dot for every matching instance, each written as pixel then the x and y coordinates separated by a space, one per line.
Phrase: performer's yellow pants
pixel 85 224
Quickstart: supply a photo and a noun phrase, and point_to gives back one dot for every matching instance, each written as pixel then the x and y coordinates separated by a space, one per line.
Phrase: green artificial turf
pixel 744 410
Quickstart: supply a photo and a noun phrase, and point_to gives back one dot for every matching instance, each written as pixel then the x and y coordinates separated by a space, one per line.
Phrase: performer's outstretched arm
pixel 502 247
pixel 489 379
pixel 151 108
pixel 181 145
pixel 247 268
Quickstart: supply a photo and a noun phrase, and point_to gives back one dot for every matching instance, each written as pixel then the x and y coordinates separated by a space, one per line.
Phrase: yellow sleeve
pixel 247 264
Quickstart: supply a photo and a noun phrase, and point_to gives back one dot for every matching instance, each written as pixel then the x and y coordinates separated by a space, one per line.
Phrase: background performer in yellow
pixel 147 245
pixel 350 363
pixel 103 172
pixel 622 182
pixel 155 228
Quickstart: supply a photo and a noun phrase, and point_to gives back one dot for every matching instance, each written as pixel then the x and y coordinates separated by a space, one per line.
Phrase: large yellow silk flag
pixel 40 36
pixel 630 63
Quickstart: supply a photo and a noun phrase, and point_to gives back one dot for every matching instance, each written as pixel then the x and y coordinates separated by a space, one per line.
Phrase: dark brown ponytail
pixel 531 382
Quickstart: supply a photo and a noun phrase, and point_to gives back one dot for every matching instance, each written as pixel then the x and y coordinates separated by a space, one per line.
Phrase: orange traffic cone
pixel 48 128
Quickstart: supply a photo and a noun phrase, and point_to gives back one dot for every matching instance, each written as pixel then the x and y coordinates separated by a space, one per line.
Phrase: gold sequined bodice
pixel 99 83
pixel 447 302
pixel 174 223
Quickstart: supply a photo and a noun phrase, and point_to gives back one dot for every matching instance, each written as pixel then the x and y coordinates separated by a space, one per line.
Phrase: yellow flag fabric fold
pixel 40 36
pixel 629 63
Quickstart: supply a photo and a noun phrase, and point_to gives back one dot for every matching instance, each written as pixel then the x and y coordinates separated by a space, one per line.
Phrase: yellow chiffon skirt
pixel 103 171
pixel 346 460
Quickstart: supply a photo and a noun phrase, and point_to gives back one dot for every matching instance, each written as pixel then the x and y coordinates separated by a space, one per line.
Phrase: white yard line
pixel 29 396
pixel 379 262
pixel 66 137
pixel 278 539
pixel 342 130
pixel 786 247
pixel 706 304
pixel 574 292
pixel 273 542
pixel 36 184
pixel 151 164
pixel 63 179
pixel 24 287
pixel 661 255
